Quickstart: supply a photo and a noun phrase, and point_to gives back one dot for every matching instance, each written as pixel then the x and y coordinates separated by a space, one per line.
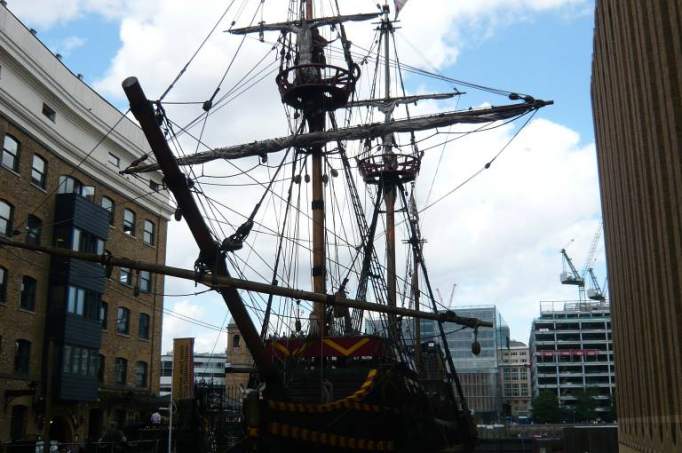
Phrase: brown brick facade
pixel 636 86
pixel 33 391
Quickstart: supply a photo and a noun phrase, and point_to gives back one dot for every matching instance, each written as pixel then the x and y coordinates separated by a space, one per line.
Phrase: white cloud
pixel 71 43
pixel 498 237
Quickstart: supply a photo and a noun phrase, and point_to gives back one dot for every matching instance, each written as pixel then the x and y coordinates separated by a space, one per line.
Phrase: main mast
pixel 309 54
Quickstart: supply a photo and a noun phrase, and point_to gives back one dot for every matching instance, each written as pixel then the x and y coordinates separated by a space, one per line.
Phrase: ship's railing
pixel 396 167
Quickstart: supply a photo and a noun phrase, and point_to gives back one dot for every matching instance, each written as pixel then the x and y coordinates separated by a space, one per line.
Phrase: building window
pixel 121 370
pixel 82 302
pixel 69 184
pixel 145 281
pixel 129 222
pixel 6 218
pixel 235 341
pixel 80 361
pixel 34 227
pixel 154 185
pixel 114 160
pixel 123 320
pixel 28 293
pixel 140 374
pixel 101 368
pixel 108 204
pixel 86 242
pixel 10 153
pixel 49 112
pixel 88 192
pixel 149 232
pixel 125 277
pixel 3 285
pixel 39 171
pixel 17 431
pixel 22 356
pixel 103 314
pixel 144 326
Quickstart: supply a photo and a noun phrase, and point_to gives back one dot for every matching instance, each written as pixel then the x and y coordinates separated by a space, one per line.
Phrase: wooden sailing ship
pixel 322 384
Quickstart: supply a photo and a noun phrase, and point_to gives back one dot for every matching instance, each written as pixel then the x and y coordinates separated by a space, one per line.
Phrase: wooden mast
pixel 316 123
pixel 389 184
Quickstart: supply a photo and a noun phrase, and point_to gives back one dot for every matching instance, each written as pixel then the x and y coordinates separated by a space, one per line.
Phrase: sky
pixel 498 238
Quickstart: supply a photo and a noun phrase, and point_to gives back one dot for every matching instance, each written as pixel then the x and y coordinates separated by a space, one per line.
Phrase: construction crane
pixel 570 275
pixel 595 292
pixel 450 299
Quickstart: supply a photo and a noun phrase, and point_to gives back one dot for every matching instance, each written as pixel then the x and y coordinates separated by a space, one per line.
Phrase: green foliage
pixel 586 405
pixel 546 408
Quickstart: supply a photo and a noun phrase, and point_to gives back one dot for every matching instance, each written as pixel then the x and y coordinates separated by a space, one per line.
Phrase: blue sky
pixel 502 243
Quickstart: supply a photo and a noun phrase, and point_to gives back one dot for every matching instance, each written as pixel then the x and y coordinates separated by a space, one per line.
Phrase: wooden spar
pixel 382 104
pixel 295 25
pixel 210 255
pixel 222 282
pixel 264 147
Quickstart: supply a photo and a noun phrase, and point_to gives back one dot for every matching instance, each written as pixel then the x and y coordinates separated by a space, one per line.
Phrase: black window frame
pixel 8 221
pixel 18 423
pixel 4 277
pixel 128 225
pixel 121 371
pixel 125 271
pixel 41 179
pixel 22 356
pixel 29 288
pixel 143 324
pixel 149 236
pixel 123 319
pixel 141 374
pixel 144 281
pixel 114 160
pixel 111 209
pixel 63 185
pixel 16 155
pixel 34 229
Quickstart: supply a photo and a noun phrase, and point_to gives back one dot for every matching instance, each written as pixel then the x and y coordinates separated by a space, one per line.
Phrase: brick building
pixel 637 103
pixel 77 347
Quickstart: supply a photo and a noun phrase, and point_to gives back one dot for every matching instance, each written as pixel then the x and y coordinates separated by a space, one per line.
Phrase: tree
pixel 546 408
pixel 586 405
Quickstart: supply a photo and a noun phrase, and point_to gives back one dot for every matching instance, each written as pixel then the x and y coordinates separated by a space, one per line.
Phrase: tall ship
pixel 315 242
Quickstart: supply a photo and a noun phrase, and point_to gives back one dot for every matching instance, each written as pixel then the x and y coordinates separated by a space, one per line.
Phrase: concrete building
pixel 208 369
pixel 637 103
pixel 75 346
pixel 515 371
pixel 479 374
pixel 572 349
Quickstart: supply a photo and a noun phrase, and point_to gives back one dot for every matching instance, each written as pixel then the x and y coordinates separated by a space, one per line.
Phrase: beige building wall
pixel 636 90
pixel 238 356
pixel 515 370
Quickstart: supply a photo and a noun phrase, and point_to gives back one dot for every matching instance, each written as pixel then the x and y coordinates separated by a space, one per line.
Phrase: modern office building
pixel 572 349
pixel 77 346
pixel 479 374
pixel 515 371
pixel 208 368
pixel 637 103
